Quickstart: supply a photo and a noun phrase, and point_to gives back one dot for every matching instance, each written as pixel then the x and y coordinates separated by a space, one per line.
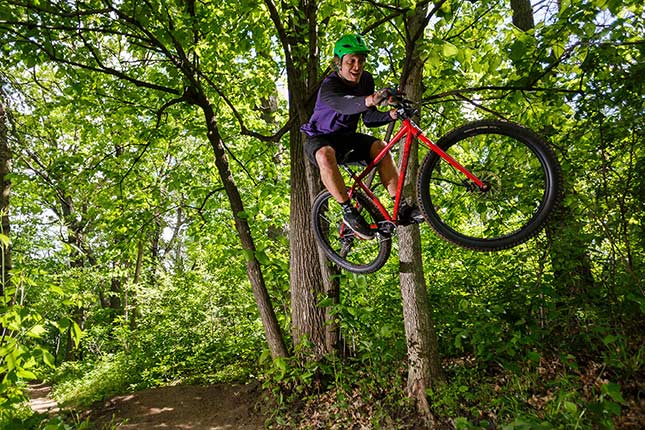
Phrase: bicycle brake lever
pixel 405 109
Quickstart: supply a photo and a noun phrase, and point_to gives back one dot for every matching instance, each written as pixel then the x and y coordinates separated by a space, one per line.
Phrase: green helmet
pixel 350 44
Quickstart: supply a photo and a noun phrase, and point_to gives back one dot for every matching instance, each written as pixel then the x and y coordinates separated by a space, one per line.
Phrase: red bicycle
pixel 487 185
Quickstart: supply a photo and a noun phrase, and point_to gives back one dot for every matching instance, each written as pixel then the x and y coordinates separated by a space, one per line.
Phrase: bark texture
pixel 522 14
pixel 423 351
pixel 309 282
pixel 5 168
pixel 272 331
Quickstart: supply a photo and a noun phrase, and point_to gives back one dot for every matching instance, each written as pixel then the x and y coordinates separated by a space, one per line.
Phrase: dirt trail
pixel 40 400
pixel 184 407
pixel 181 407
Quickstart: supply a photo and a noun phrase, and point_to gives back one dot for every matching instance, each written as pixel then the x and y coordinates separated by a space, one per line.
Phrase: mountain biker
pixel 346 96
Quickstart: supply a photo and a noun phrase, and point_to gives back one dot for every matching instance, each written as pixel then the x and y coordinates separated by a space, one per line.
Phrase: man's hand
pixel 379 97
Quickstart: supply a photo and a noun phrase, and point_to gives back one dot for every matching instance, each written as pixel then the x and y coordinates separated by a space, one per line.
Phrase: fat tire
pixel 550 169
pixel 321 229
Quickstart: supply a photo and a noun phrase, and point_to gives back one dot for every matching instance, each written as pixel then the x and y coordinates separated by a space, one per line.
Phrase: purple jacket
pixel 339 107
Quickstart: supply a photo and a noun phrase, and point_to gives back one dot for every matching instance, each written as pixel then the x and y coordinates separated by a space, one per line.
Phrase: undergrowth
pixel 335 393
pixel 546 394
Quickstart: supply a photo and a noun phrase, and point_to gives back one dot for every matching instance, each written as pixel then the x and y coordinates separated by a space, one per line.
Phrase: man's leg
pixel 330 175
pixel 333 181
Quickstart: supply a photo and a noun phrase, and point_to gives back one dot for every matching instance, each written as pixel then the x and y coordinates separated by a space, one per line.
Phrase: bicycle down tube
pixel 409 130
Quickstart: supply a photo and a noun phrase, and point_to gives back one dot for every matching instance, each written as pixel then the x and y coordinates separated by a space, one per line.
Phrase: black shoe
pixel 409 214
pixel 354 220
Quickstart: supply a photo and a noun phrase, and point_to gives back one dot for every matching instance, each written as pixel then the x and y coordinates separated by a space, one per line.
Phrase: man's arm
pixel 333 93
pixel 376 118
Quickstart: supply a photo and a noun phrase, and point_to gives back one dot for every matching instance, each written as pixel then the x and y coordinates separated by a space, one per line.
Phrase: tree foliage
pixel 125 247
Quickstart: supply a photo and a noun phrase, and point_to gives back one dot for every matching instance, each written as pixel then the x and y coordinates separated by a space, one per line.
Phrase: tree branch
pixel 101 68
pixel 459 92
pixel 282 33
pixel 482 107
pixel 243 129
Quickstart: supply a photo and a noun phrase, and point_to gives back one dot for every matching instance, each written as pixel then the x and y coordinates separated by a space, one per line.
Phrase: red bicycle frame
pixel 410 131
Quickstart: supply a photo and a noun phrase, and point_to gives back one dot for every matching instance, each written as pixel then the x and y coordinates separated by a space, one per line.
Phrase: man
pixel 344 97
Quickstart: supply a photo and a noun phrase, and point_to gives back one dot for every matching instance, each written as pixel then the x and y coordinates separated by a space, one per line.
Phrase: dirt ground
pixel 40 400
pixel 185 407
pixel 236 407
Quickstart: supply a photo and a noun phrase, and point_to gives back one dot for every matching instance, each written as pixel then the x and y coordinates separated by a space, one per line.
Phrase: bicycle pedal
pixel 386 228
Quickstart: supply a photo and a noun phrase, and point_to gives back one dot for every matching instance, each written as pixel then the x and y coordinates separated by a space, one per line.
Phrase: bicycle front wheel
pixel 523 186
pixel 339 242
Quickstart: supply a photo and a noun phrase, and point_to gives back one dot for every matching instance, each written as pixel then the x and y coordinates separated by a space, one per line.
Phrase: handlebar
pixel 404 107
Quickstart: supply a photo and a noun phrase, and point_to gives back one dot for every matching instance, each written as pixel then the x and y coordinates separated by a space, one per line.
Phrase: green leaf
pixel 613 390
pixel 282 365
pixel 11 360
pixel 609 408
pixel 5 241
pixel 589 29
pixel 262 257
pixel 445 9
pixel 564 5
pixel 599 3
pixel 518 49
pixel 26 374
pixel 48 358
pixel 449 50
pixel 56 290
pixel 609 339
pixel 386 331
pixel 63 324
pixel 76 333
pixel 534 356
pixel 571 407
pixel 326 302
pixel 434 60
pixel 36 331
pixel 557 49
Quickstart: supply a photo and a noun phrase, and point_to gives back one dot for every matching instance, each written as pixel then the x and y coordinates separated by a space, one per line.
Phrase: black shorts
pixel 350 147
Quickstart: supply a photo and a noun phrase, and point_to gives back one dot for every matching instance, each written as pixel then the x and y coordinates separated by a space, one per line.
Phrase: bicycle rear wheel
pixel 521 172
pixel 340 244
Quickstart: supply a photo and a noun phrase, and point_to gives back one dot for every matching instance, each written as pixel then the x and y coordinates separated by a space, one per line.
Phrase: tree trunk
pixel 423 352
pixel 5 168
pixel 130 300
pixel 522 14
pixel 272 331
pixel 307 286
pixel 75 237
pixel 310 279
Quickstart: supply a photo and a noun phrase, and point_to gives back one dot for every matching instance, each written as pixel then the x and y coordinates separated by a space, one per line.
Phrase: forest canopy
pixel 156 203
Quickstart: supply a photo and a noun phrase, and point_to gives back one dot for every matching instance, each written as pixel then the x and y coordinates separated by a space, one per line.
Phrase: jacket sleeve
pixel 333 94
pixel 336 97
pixel 375 118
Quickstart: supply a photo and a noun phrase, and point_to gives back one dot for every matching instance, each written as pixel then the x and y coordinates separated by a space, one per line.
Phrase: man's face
pixel 351 67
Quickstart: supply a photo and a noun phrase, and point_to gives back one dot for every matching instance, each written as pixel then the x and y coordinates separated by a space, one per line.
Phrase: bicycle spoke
pixel 521 179
pixel 339 242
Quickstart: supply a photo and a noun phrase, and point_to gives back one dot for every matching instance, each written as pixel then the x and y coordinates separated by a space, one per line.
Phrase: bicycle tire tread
pixel 512 129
